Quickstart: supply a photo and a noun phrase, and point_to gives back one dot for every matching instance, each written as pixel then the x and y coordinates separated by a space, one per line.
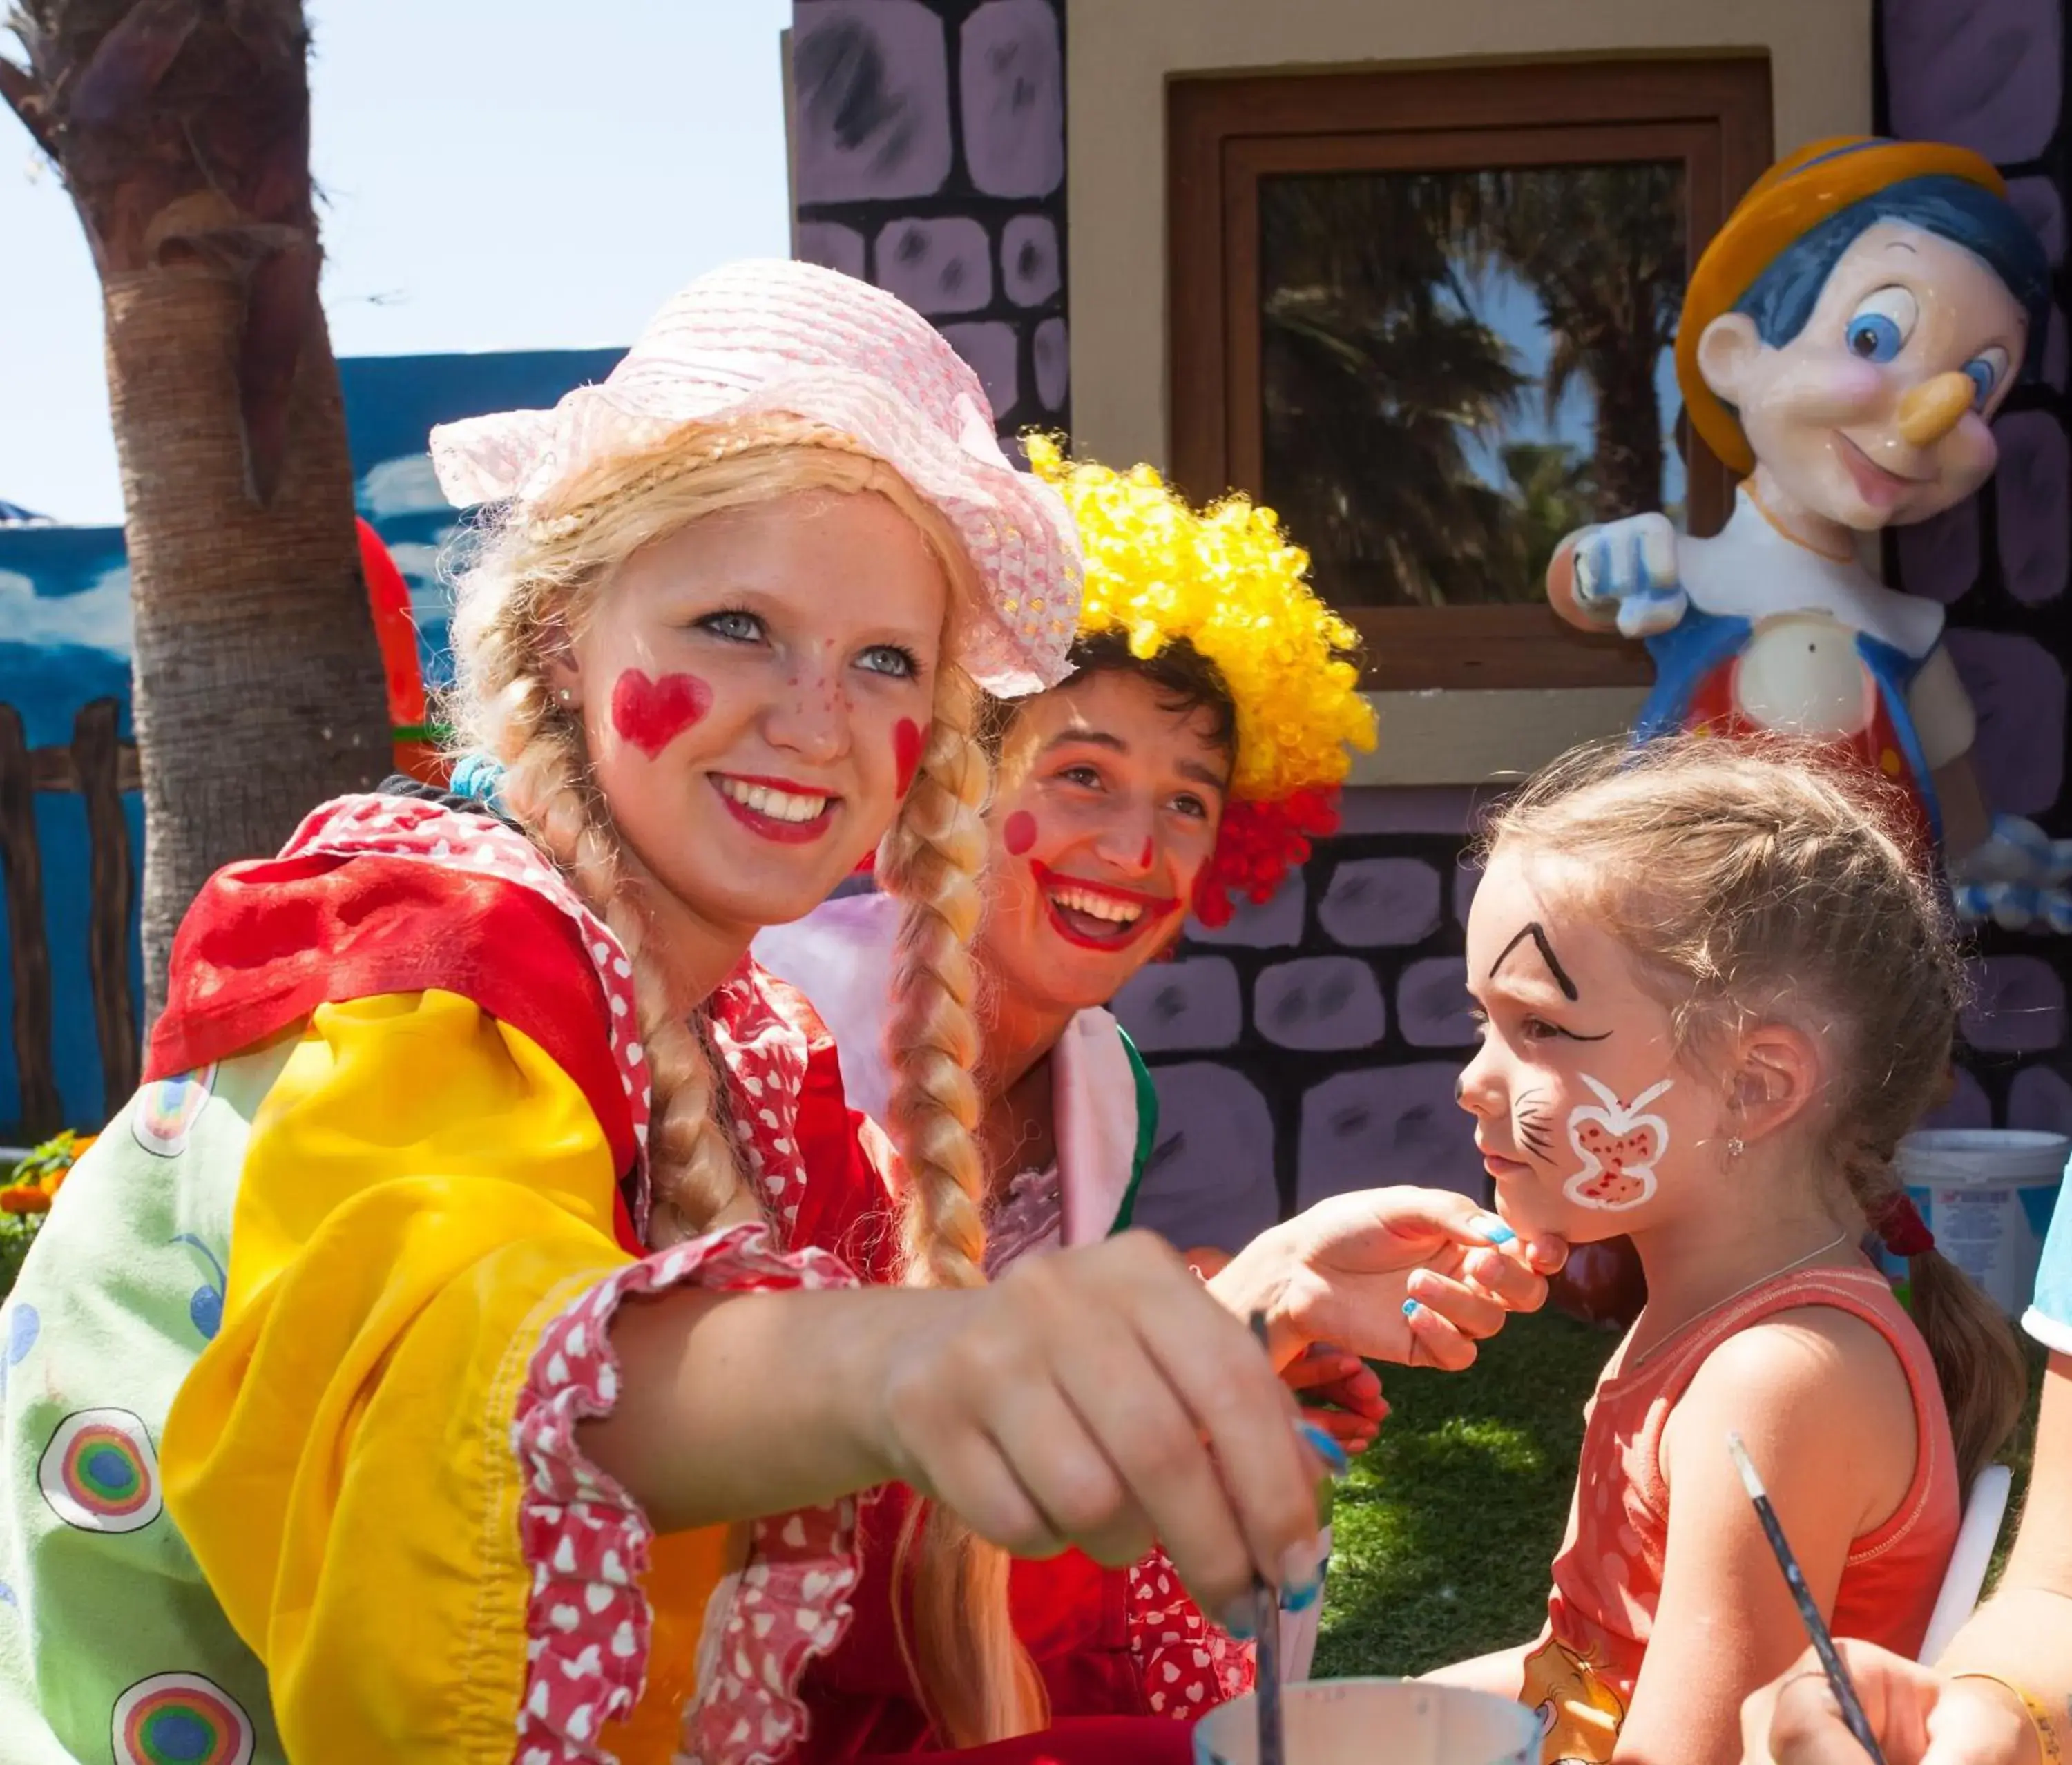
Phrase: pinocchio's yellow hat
pixel 1786 203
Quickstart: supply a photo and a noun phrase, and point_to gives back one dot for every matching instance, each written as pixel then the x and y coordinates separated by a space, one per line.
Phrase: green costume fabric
pixel 110 1644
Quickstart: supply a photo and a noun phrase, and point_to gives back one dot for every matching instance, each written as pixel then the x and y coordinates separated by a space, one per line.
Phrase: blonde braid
pixel 696 1183
pixel 529 591
pixel 930 860
pixel 976 1678
pixel 503 707
pixel 539 574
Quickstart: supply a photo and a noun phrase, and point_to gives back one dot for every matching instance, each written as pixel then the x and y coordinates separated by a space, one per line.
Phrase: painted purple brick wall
pixel 1350 1030
pixel 1310 1046
pixel 931 160
pixel 1991 75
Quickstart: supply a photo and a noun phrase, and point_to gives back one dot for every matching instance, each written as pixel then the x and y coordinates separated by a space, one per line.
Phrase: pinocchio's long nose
pixel 1930 411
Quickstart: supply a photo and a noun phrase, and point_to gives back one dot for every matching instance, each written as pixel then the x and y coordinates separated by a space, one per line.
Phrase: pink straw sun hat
pixel 771 337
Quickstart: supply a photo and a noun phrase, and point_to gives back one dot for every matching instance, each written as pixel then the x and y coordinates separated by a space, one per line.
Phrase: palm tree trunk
pixel 257 684
pixel 1627 459
pixel 181 128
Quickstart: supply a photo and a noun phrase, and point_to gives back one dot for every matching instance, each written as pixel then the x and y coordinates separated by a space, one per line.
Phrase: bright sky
pixel 502 174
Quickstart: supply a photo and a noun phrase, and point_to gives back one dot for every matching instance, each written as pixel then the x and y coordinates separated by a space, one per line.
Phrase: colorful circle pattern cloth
pixel 100 1472
pixel 166 1111
pixel 180 1719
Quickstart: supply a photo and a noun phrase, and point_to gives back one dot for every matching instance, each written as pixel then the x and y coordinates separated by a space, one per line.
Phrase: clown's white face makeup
pixel 1586 1115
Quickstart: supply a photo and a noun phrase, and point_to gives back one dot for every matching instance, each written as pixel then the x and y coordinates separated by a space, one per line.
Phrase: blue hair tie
pixel 479 776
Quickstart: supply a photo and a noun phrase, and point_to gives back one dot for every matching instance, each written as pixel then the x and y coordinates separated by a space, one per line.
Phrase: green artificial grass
pixel 1444 1534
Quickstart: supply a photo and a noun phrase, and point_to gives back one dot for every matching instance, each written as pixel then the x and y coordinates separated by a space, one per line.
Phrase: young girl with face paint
pixel 1716 992
pixel 390 1368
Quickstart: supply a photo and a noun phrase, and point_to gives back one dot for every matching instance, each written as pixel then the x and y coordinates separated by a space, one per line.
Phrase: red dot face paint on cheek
pixel 651 714
pixel 907 742
pixel 1019 833
pixel 1145 862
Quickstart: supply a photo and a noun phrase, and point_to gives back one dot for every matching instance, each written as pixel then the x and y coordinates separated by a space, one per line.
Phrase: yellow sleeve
pixel 423 1191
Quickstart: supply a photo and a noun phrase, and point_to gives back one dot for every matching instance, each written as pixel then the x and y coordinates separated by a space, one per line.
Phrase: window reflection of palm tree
pixel 1376 371
pixel 1602 247
pixel 1555 493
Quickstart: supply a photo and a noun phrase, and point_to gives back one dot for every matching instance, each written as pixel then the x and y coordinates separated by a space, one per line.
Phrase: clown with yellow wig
pixel 1847 339
pixel 1194 752
pixel 1187 762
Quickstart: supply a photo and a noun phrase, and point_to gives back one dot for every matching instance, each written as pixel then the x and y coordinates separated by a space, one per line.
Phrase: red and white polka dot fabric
pixel 588 1621
pixel 1185 1663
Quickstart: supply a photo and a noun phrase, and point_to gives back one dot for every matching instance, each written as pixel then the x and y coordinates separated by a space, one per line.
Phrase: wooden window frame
pixel 1224 134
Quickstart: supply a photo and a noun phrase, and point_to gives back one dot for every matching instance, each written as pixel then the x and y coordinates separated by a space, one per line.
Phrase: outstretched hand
pixel 1097 1397
pixel 1416 1276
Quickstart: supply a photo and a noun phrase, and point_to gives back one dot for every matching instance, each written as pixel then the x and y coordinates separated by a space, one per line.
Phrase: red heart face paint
pixel 651 714
pixel 1018 834
pixel 907 743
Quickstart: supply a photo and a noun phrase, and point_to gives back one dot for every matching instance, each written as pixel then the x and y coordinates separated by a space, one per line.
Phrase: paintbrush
pixel 1266 1619
pixel 1795 1577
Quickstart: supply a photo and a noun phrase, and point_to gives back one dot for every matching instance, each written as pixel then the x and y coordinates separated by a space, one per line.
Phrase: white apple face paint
pixel 1618 1147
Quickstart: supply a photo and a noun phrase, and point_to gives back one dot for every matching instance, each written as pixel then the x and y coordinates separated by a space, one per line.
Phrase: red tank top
pixel 1608 1577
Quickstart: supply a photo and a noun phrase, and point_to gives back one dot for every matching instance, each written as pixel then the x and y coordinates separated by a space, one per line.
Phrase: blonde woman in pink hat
pixel 457 1350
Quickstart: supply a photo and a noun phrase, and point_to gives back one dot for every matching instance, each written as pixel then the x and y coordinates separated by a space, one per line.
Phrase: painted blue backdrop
pixel 64 641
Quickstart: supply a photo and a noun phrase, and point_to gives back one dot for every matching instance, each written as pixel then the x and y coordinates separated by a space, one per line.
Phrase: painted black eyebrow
pixel 1537 933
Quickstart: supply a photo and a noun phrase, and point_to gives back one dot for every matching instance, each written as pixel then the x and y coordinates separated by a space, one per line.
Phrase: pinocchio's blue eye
pixel 1879 328
pixel 1985 372
pixel 1875 337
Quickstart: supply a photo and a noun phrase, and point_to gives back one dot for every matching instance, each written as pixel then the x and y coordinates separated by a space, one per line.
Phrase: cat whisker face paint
pixel 1532 1123
pixel 1578 1088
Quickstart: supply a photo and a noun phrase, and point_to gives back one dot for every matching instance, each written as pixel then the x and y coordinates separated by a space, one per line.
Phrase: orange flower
pixel 24 1198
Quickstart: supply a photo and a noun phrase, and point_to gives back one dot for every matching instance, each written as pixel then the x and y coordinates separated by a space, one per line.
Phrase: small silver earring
pixel 1735 1148
pixel 565 696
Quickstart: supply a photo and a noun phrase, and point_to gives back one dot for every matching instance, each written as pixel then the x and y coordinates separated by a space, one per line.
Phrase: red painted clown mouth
pixel 1100 916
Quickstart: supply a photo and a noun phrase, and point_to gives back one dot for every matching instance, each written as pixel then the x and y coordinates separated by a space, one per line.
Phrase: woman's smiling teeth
pixel 1097 905
pixel 778 804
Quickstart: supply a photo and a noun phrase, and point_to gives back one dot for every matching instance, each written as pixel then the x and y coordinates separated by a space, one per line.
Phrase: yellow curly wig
pixel 1228 581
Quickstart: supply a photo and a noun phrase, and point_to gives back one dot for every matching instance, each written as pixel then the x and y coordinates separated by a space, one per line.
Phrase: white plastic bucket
pixel 1986 1194
pixel 1376 1722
